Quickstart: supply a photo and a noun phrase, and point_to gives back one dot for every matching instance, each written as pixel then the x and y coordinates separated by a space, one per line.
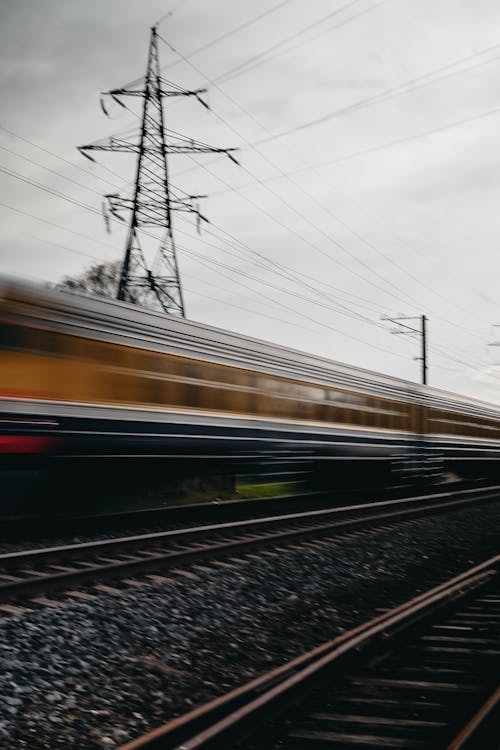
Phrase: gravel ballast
pixel 93 674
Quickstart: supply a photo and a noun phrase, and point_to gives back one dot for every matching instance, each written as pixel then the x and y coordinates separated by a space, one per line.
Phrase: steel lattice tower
pixel 154 199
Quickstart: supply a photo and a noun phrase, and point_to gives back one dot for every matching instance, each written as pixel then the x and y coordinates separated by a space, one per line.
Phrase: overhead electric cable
pixel 61 158
pixel 222 37
pixel 301 187
pixel 56 193
pixel 54 224
pixel 341 332
pixel 48 169
pixel 68 249
pixel 417 83
pixel 231 32
pixel 394 142
pixel 257 59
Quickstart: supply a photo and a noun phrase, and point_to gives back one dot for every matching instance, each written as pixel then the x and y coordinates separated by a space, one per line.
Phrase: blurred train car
pixel 93 388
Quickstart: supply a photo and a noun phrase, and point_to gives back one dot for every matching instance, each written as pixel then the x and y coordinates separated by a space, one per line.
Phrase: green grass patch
pixel 249 491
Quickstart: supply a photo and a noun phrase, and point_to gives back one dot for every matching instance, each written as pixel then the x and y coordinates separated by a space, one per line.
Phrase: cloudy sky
pixel 369 137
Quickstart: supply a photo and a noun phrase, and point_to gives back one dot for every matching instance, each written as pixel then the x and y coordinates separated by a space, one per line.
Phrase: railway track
pixel 31 573
pixel 421 676
pixel 145 520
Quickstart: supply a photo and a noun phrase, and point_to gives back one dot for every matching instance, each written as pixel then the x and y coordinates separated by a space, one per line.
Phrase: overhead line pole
pixel 422 332
pixel 424 350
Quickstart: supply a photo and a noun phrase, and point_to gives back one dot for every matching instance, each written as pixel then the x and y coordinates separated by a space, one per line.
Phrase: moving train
pixel 88 383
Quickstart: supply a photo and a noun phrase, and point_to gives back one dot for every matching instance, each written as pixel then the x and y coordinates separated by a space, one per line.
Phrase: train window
pixel 329 413
pixel 331 410
pixel 393 419
pixel 190 395
pixel 377 406
pixel 384 417
pixel 374 417
pixel 305 410
pixel 283 408
pixel 346 416
pixel 448 422
pixel 371 413
pixel 243 402
pixel 443 422
pixel 198 371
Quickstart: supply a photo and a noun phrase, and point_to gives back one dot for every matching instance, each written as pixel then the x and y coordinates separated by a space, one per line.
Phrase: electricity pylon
pixel 154 199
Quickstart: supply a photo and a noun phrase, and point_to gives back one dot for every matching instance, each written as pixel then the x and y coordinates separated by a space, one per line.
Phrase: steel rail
pixel 467 738
pixel 177 516
pixel 196 544
pixel 104 545
pixel 240 714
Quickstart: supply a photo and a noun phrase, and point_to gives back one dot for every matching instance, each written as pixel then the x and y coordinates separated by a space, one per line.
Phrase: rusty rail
pixel 232 718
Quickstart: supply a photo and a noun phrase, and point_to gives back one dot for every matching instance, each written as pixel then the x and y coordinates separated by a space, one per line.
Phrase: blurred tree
pixel 100 279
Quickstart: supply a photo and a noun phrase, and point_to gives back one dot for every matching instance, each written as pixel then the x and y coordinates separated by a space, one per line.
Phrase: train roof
pixel 109 319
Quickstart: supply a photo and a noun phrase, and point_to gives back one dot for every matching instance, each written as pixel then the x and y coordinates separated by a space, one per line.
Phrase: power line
pixel 217 299
pixel 340 309
pixel 316 247
pixel 363 239
pixel 253 311
pixel 38 185
pixel 51 191
pixel 60 158
pixel 356 154
pixel 441 350
pixel 282 270
pixel 339 331
pixel 220 38
pixel 395 142
pixel 326 254
pixel 55 224
pixel 310 244
pixel 208 262
pixel 42 187
pixel 83 205
pixel 237 272
pixel 294 182
pixel 90 208
pixel 259 59
pixel 66 248
pixel 406 87
pixel 231 32
pixel 48 169
pixel 297 277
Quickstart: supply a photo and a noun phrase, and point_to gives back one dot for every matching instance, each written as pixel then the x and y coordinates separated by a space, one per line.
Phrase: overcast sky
pixel 389 205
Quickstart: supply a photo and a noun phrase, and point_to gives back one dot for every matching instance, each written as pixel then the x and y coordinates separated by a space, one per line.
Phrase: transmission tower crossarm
pixel 176 145
pixel 164 92
pixel 110 144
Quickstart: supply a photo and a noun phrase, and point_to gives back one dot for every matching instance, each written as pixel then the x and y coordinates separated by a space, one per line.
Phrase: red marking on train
pixel 25 444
